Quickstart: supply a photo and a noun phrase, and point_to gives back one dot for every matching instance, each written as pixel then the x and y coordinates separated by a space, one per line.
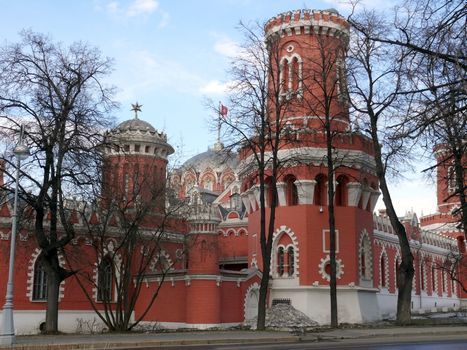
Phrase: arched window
pixel 295 74
pixel 208 183
pixel 451 179
pixel 363 263
pixel 280 261
pixel 284 76
pixel 290 261
pixel 443 280
pixel 291 190
pixel 422 276
pixel 39 288
pixel 104 280
pixel 341 190
pixel 433 278
pixel 382 269
pixel 320 190
pixel 365 257
pixel 398 270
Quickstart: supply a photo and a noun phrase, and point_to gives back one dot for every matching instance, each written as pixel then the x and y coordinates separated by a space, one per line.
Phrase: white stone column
pixel 365 197
pixel 246 201
pixel 251 197
pixel 281 193
pixel 305 190
pixel 256 193
pixel 354 190
pixel 374 195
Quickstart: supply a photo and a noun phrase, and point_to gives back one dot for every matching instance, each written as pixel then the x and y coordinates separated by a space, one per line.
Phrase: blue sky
pixel 169 56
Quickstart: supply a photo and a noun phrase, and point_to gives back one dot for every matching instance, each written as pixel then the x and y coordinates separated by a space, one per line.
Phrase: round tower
pixel 135 161
pixel 310 48
pixel 307 51
pixel 203 278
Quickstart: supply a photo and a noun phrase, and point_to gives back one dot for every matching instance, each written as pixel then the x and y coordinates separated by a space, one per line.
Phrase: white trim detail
pixel 251 289
pixel 275 239
pixel 322 268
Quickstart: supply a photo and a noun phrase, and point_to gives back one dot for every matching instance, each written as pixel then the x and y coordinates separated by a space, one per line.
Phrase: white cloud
pixel 135 8
pixel 165 19
pixel 226 46
pixel 215 87
pixel 344 7
pixel 141 7
pixel 113 7
pixel 145 71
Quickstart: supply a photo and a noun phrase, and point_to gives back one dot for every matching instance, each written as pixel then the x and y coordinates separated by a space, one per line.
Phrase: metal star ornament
pixel 136 107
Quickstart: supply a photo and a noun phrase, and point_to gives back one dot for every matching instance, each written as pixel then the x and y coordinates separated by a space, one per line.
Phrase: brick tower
pixel 310 42
pixel 203 304
pixel 135 161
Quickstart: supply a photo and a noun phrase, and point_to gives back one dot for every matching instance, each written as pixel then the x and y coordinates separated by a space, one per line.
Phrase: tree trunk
pixel 53 291
pixel 406 271
pixel 332 228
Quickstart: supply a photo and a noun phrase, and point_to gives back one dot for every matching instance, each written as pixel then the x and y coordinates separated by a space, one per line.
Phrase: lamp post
pixel 7 337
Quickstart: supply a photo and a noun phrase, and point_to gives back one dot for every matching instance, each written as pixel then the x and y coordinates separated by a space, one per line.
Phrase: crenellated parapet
pixel 204 219
pixel 299 22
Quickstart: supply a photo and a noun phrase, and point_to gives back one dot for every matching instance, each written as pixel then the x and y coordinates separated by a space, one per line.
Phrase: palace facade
pixel 213 253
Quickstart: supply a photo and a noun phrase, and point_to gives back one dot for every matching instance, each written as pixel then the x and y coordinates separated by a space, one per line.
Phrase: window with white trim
pixel 104 280
pixel 39 287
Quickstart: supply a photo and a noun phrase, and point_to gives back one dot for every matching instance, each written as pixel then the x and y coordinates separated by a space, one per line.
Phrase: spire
pixel 136 107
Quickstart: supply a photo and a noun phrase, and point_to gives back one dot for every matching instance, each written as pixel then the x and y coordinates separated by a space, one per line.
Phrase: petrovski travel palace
pixel 217 282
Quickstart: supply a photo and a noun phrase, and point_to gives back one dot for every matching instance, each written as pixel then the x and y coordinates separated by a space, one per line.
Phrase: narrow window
pixel 104 280
pixel 422 276
pixel 295 75
pixel 363 262
pixel 291 190
pixel 284 88
pixel 433 280
pixel 398 269
pixel 443 277
pixel 383 271
pixel 39 288
pixel 280 261
pixel 291 261
pixel 320 190
pixel 341 191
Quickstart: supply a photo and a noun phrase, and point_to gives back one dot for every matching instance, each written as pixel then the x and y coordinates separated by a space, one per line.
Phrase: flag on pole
pixel 223 110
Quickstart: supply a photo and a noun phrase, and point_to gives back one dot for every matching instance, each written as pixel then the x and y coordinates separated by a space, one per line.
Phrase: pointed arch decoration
pixel 290 259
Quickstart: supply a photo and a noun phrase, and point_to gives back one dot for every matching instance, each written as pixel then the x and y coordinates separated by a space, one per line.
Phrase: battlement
pixel 299 22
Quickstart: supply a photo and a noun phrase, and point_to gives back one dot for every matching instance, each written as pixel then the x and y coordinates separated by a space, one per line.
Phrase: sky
pixel 171 55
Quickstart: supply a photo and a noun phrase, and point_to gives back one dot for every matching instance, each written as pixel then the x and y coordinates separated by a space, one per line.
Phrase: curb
pixel 103 345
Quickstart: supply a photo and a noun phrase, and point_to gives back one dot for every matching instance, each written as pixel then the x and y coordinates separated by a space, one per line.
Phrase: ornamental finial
pixel 136 107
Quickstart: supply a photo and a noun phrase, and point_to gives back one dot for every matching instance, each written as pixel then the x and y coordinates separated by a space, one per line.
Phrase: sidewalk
pixel 111 341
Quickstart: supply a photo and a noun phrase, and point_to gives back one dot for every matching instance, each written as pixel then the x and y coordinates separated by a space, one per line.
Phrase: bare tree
pixel 438 89
pixel 58 92
pixel 375 80
pixel 324 96
pixel 128 233
pixel 256 126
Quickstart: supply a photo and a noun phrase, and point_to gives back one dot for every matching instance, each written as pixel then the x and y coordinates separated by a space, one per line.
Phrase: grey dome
pixel 215 158
pixel 135 125
pixel 139 136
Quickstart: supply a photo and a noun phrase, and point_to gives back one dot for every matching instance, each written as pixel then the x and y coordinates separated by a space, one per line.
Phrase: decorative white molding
pixel 322 269
pixel 305 191
pixel 281 193
pixel 355 191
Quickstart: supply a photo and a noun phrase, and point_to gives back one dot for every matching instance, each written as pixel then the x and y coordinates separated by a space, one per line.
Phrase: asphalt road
pixel 412 343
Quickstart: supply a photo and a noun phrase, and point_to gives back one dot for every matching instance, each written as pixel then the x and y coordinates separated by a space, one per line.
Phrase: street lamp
pixel 7 337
